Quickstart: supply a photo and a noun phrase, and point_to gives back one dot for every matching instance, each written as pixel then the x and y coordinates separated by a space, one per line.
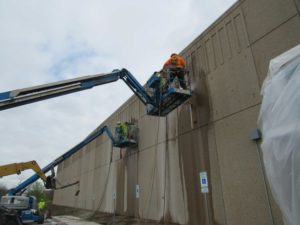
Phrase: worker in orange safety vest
pixel 175 67
pixel 175 61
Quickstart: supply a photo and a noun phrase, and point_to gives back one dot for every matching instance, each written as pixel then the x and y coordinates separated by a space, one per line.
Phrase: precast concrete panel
pixel 226 77
pixel 134 110
pixel 171 125
pixel 91 152
pixel 130 182
pixel 241 173
pixel 76 198
pixel 60 168
pixel 100 140
pixel 103 154
pixel 83 190
pixel 192 160
pixel 151 182
pixel 154 131
pixel 69 192
pixel 116 154
pixel 100 187
pixel 236 82
pixel 57 198
pixel 142 109
pixel 286 36
pixel 175 191
pixel 264 16
pixel 67 162
pixel 120 187
pixel 76 163
pixel 111 191
pixel 218 214
pixel 59 175
pixel 84 161
pixel 71 171
pixel 89 190
pixel 199 105
pixel 184 119
pixel 67 175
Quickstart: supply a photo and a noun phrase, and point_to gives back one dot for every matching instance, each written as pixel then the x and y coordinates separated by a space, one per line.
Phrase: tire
pixel 12 222
pixel 41 220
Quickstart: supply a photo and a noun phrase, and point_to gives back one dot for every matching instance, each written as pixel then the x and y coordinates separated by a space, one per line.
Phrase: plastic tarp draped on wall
pixel 279 121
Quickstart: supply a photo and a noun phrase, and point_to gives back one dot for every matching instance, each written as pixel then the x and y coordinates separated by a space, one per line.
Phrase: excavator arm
pixel 17 168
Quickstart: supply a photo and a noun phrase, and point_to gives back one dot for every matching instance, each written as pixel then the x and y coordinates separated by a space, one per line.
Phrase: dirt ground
pixel 68 220
pixel 62 215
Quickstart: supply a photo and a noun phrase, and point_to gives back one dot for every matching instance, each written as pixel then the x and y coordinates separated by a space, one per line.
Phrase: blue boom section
pixel 25 96
pixel 158 104
pixel 63 157
pixel 136 87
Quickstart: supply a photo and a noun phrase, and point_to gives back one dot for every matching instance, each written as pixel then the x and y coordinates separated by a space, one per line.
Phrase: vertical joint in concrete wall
pixel 191 116
pixel 256 136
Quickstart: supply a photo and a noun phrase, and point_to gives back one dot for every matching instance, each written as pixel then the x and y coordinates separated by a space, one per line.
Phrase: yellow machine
pixel 12 216
pixel 16 168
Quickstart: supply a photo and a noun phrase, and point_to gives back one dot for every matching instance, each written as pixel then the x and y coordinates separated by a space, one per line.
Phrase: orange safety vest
pixel 175 61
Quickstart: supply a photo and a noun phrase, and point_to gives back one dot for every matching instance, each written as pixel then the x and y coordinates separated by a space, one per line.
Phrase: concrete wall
pixel 227 63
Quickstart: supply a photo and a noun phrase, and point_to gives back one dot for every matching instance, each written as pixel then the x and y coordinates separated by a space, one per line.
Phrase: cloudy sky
pixel 47 41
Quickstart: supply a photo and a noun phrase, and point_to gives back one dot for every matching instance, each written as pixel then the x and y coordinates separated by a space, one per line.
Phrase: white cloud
pixel 46 41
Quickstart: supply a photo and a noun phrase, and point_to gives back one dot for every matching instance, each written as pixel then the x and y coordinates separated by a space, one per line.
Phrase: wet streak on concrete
pixel 166 193
pixel 193 147
pixel 120 187
pixel 201 114
pixel 130 168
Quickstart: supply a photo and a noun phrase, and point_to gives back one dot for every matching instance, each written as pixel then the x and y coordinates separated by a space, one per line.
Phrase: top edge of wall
pixel 213 25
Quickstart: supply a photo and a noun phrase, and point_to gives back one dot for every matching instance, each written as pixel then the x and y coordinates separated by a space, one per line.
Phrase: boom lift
pixel 158 103
pixel 27 205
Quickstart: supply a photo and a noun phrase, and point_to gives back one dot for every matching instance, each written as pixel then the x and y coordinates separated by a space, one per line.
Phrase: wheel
pixel 41 219
pixel 11 219
pixel 12 222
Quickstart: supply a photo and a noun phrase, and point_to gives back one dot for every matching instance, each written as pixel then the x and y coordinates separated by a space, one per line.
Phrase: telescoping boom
pixel 63 157
pixel 156 105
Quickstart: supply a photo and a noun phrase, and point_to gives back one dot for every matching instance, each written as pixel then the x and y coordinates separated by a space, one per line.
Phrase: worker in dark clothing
pixel 175 67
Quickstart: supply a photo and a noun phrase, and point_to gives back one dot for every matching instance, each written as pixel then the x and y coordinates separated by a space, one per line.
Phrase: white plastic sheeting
pixel 279 121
